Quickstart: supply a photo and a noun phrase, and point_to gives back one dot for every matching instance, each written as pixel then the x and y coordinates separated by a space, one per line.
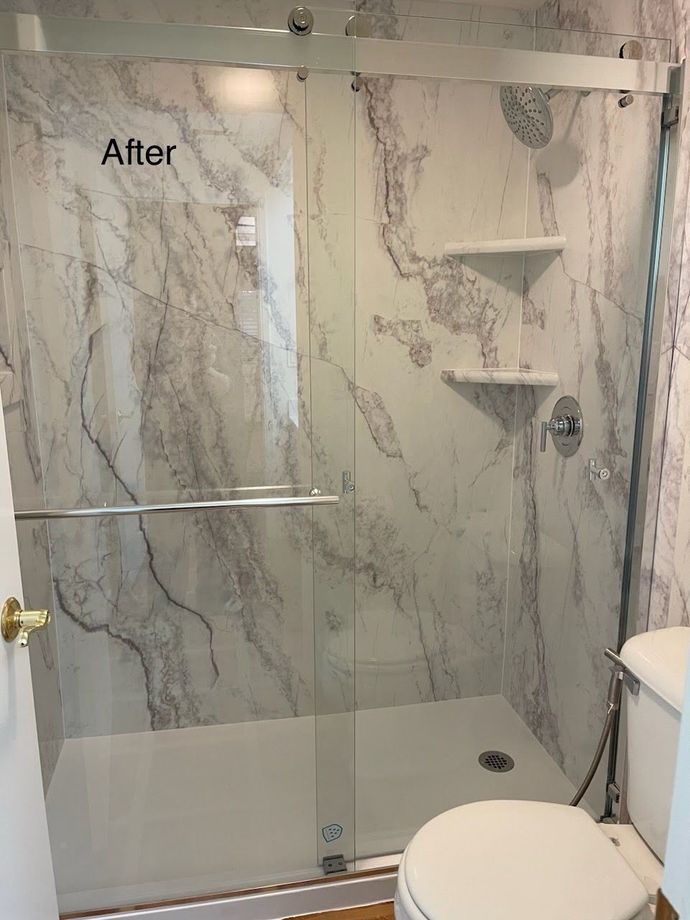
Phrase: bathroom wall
pixel 175 367
pixel 16 387
pixel 666 548
pixel 582 316
pixel 172 637
pixel 436 163
pixel 154 631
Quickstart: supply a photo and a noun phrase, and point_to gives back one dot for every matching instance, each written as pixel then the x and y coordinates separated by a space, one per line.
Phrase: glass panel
pixel 210 697
pixel 178 340
pixel 330 131
pixel 488 575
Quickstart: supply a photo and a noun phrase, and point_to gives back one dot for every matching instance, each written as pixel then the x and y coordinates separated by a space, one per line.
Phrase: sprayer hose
pixel 612 707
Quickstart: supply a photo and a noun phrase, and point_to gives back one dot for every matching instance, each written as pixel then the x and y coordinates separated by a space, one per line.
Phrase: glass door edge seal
pixel 28 32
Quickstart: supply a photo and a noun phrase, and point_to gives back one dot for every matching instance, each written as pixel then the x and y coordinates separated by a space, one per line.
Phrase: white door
pixel 27 888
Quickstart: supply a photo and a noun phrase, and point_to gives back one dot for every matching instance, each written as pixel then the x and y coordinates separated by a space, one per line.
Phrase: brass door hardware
pixel 17 623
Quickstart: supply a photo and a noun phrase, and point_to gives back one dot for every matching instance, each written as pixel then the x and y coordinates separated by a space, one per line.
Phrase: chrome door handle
pixel 16 623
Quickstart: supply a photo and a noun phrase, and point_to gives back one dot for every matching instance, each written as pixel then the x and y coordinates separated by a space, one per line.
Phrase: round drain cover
pixel 496 761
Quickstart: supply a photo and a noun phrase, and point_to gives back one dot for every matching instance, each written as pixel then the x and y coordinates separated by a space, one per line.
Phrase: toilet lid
pixel 523 860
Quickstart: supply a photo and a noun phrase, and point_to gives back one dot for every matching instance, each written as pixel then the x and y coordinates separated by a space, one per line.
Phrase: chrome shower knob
pixel 566 427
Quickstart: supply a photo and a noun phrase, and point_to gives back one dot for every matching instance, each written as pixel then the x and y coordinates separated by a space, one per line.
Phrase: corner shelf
pixel 525 246
pixel 505 376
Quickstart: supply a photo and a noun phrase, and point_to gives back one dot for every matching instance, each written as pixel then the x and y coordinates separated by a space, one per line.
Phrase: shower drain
pixel 496 761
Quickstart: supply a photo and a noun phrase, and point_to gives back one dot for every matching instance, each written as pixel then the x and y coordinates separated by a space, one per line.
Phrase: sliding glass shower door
pixel 184 334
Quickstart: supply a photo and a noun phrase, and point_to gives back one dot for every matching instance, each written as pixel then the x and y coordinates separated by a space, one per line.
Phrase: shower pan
pixel 311 579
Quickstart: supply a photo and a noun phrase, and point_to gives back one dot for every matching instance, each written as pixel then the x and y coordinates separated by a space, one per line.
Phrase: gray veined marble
pixel 431 528
pixel 585 310
pixel 199 329
pixel 167 323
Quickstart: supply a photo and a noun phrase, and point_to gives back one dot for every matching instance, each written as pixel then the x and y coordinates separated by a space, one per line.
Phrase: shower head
pixel 527 112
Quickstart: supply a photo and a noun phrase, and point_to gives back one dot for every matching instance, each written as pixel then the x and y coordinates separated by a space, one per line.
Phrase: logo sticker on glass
pixel 332 832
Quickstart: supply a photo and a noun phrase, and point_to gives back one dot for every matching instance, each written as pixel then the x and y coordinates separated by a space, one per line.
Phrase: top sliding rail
pixel 275 49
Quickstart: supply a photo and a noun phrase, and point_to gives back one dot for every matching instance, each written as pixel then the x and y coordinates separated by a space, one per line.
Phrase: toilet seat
pixel 513 860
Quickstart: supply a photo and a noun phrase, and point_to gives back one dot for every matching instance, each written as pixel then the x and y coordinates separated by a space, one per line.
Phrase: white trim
pixel 335 53
pixel 507 247
pixel 274 905
pixel 503 376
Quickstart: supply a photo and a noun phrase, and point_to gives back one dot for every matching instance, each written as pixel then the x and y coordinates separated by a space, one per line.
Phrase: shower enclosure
pixel 273 415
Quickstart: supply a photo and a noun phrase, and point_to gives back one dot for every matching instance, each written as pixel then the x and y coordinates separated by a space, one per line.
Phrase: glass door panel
pixel 488 574
pixel 330 148
pixel 177 342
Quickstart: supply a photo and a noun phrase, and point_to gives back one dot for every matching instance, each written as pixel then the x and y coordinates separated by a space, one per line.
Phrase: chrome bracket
pixel 348 483
pixel 358 25
pixel 670 115
pixel 632 682
pixel 333 864
pixel 614 793
pixel 598 472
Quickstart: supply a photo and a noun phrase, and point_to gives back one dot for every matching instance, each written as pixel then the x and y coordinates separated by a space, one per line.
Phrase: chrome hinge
pixel 348 482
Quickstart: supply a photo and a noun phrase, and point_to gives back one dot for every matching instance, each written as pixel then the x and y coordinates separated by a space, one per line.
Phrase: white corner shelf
pixel 525 246
pixel 506 376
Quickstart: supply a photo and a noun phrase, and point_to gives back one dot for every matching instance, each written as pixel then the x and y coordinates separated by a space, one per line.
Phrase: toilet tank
pixel 659 659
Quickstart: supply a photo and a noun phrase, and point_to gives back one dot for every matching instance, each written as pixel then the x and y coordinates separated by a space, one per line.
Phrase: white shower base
pixel 158 815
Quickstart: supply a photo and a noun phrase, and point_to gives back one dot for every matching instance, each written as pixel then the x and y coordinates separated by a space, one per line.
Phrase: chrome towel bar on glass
pixel 231 504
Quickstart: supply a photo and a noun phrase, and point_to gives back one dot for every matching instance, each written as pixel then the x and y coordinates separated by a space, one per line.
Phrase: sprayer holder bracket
pixel 632 682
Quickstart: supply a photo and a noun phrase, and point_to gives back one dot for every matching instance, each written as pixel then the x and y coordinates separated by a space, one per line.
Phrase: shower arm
pixel 555 91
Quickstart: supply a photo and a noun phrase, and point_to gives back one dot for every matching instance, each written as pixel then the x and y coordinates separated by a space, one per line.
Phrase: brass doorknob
pixel 15 622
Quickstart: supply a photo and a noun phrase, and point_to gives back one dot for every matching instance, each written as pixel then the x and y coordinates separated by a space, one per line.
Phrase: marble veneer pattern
pixel 552 695
pixel 16 386
pixel 431 501
pixel 585 309
pixel 194 622
pixel 176 365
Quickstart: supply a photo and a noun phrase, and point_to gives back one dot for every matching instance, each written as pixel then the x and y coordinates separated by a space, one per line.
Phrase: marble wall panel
pixel 435 163
pixel 582 315
pixel 16 387
pixel 169 334
pixel 142 261
pixel 664 548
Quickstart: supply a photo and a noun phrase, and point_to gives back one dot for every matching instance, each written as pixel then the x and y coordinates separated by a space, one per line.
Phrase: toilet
pixel 521 860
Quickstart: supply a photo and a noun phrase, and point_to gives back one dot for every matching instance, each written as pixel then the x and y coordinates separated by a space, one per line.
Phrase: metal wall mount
pixel 301 20
pixel 28 32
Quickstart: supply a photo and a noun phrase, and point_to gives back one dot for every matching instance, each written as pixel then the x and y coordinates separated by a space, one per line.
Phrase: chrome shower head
pixel 527 112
